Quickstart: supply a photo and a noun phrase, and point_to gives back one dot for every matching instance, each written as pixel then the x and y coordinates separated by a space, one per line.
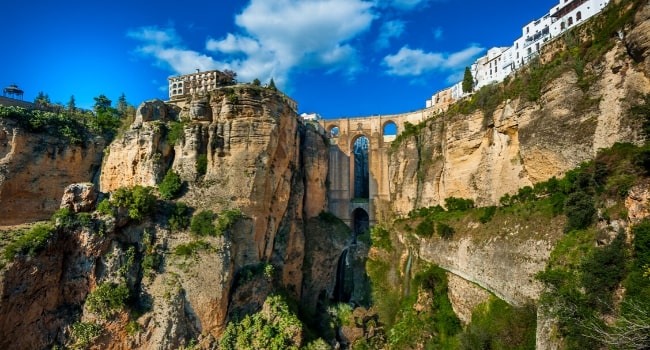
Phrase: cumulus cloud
pixel 318 36
pixel 164 45
pixel 389 30
pixel 275 38
pixel 410 62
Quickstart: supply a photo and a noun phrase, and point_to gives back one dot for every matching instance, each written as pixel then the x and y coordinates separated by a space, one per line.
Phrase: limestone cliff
pixel 35 168
pixel 260 159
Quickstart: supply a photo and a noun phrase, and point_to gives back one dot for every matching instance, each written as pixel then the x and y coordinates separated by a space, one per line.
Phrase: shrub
pixel 191 248
pixel 445 231
pixel 202 164
pixel 580 211
pixel 30 243
pixel 175 133
pixel 425 228
pixel 83 333
pixel 459 204
pixel 202 224
pixel 170 186
pixel 107 298
pixel 138 200
pixel 487 214
pixel 277 327
pixel 603 270
pixel 226 219
pixel 105 208
pixel 64 217
pixel 380 237
pixel 179 218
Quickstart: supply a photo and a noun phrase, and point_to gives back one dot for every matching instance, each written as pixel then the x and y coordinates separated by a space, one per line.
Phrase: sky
pixel 337 58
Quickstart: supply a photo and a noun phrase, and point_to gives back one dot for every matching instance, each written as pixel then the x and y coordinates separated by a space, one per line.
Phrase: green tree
pixel 468 81
pixel 272 85
pixel 203 224
pixel 257 82
pixel 171 185
pixel 42 99
pixel 122 105
pixel 72 105
pixel 102 103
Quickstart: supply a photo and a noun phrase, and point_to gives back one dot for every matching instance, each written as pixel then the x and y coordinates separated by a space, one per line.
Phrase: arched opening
pixel 361 176
pixel 570 21
pixel 578 16
pixel 360 221
pixel 334 131
pixel 390 130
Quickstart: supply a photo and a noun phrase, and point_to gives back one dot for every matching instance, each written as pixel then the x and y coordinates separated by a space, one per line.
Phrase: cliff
pixel 35 168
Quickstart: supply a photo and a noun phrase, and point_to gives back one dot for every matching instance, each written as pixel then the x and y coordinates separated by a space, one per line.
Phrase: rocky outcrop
pixel 36 168
pixel 258 158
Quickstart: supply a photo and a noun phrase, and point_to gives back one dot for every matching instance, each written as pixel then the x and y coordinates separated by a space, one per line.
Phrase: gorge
pixel 296 245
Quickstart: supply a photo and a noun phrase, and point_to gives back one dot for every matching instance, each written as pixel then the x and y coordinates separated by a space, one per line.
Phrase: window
pixel 578 16
pixel 570 21
pixel 562 26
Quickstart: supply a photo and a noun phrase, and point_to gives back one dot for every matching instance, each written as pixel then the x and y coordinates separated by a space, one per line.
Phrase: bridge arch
pixel 360 166
pixel 380 131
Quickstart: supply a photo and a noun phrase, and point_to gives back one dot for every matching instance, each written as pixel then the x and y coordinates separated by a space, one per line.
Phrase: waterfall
pixel 340 294
pixel 407 274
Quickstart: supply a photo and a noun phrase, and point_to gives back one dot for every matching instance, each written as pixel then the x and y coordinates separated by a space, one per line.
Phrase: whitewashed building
pixel 500 62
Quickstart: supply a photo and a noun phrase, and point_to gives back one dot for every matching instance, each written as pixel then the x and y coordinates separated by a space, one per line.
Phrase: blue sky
pixel 334 57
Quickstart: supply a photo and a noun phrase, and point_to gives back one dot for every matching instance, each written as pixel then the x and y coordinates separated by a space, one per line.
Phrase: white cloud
pixel 409 62
pixel 389 30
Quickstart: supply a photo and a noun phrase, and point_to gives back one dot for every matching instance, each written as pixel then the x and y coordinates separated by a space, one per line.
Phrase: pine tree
pixel 272 85
pixel 468 81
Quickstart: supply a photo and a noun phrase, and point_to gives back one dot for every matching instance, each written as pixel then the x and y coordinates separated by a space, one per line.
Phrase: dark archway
pixel 361 173
pixel 360 221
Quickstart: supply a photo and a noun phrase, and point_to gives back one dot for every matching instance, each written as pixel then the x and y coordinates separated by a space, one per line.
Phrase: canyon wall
pixel 35 168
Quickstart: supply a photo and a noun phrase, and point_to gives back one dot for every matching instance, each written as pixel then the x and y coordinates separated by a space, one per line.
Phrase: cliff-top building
pixel 200 82
pixel 500 62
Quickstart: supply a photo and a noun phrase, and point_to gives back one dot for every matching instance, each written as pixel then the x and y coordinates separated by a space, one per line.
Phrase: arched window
pixel 562 26
pixel 578 16
pixel 570 21
pixel 390 128
pixel 334 131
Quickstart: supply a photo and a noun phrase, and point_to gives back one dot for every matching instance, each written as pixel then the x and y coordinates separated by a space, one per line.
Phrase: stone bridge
pixel 360 208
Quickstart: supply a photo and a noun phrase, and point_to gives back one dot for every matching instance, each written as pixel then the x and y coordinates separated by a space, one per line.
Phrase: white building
pixel 500 62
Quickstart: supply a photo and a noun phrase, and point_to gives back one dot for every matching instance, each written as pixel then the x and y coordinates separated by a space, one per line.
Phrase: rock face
pixel 258 158
pixel 484 156
pixel 36 168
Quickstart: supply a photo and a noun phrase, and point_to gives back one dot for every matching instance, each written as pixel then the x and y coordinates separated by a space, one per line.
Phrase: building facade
pixel 500 62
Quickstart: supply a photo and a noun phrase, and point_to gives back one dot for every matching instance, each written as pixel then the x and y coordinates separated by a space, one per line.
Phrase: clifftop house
pixel 500 62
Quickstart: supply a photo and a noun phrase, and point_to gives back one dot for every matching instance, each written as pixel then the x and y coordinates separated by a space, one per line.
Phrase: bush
pixel 202 224
pixel 380 237
pixel 277 327
pixel 487 214
pixel 580 211
pixel 445 231
pixel 64 217
pixel 170 186
pixel 226 219
pixel 202 164
pixel 176 132
pixel 190 249
pixel 458 204
pixel 107 298
pixel 425 228
pixel 179 218
pixel 603 270
pixel 138 200
pixel 83 333
pixel 105 208
pixel 30 243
